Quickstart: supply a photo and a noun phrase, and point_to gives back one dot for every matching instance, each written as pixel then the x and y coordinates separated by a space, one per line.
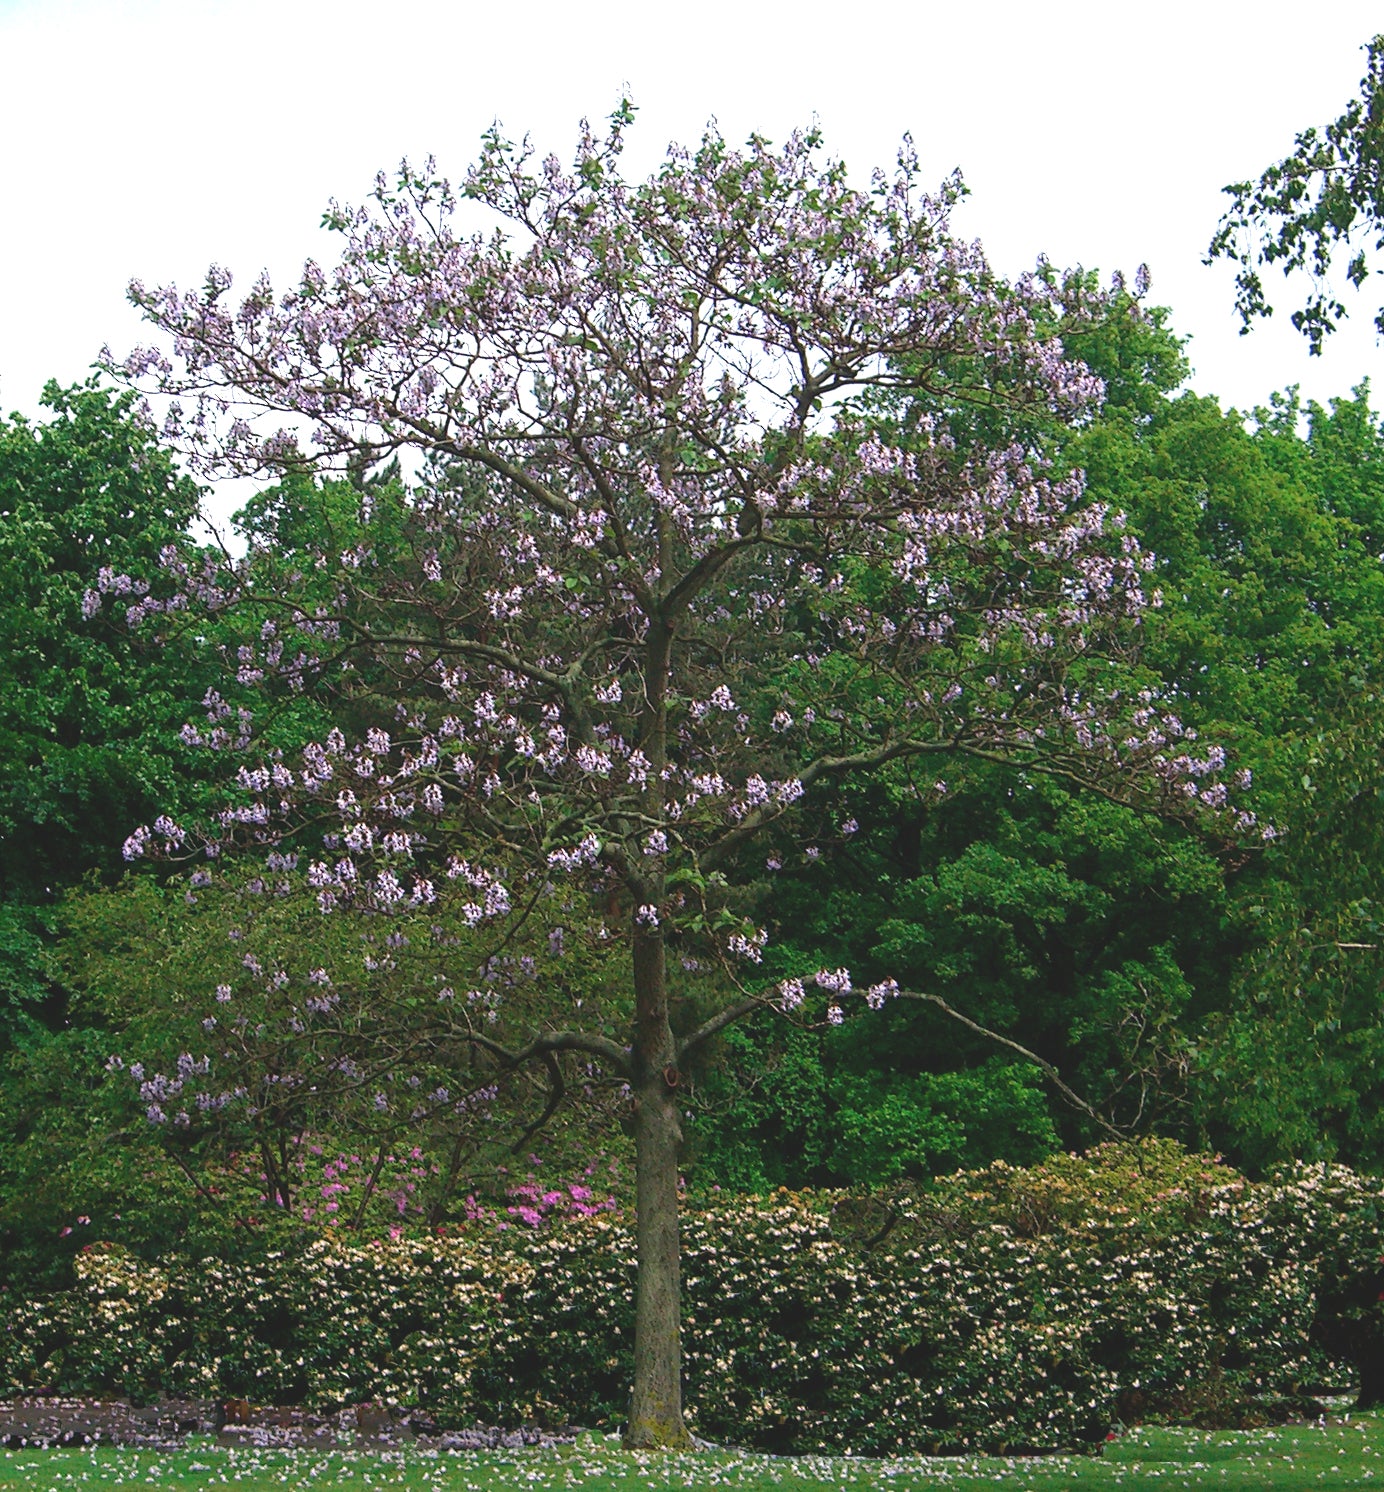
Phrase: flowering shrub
pixel 1001 1309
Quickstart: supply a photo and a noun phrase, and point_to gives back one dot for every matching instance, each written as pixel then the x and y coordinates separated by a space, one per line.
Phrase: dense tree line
pixel 1172 986
pixel 1228 1000
pixel 1224 999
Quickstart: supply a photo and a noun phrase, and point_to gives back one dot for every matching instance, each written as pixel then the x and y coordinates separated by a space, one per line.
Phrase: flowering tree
pixel 669 563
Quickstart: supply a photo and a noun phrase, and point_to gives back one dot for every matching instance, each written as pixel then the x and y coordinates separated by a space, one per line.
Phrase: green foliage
pixel 1225 997
pixel 88 711
pixel 26 950
pixel 788 1106
pixel 1073 925
pixel 925 1123
pixel 67 1152
pixel 1290 1054
pixel 1323 200
pixel 139 964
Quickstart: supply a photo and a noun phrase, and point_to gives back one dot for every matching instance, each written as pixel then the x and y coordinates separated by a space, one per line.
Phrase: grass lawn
pixel 1349 1454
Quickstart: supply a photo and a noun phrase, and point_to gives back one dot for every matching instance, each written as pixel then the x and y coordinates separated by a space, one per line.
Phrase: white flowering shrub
pixel 1003 1309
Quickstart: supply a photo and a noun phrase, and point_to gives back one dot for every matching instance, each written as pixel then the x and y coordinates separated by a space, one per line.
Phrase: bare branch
pixel 557 1091
pixel 718 1023
pixel 615 1056
pixel 1044 1066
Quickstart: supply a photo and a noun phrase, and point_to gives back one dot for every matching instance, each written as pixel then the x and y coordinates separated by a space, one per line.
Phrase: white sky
pixel 151 137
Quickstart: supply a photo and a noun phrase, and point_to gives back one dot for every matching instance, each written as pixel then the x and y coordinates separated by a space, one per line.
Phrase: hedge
pixel 1000 1310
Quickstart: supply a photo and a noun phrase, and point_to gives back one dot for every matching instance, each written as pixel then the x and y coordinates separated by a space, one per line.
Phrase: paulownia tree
pixel 664 568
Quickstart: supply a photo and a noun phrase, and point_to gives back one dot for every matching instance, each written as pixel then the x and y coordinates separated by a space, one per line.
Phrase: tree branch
pixel 824 766
pixel 557 1041
pixel 1049 1071
pixel 557 1091
pixel 718 1023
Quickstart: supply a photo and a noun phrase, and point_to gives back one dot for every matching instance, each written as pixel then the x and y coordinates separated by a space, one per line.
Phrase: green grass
pixel 1348 1454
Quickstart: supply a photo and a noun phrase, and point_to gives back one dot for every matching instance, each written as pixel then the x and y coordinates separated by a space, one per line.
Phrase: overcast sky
pixel 150 138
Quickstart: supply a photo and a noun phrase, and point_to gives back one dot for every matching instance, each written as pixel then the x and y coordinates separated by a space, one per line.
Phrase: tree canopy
pixel 89 711
pixel 1323 202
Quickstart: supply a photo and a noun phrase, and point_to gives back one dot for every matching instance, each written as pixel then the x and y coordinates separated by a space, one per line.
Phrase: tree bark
pixel 656 1402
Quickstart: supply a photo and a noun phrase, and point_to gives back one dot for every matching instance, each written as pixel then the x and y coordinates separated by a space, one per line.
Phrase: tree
pixel 89 713
pixel 1323 199
pixel 1308 987
pixel 1096 936
pixel 661 575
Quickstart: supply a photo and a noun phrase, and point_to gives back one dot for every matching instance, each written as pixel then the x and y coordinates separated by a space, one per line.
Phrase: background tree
pixel 1325 199
pixel 1154 974
pixel 1084 929
pixel 89 710
pixel 666 576
pixel 1309 980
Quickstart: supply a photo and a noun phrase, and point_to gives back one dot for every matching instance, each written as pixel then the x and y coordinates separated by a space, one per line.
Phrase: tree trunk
pixel 656 1402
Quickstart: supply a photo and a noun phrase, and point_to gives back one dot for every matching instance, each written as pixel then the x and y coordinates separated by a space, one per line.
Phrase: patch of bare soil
pixel 60 1420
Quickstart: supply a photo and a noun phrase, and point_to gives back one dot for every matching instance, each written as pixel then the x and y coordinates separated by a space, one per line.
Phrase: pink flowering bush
pixel 534 1203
